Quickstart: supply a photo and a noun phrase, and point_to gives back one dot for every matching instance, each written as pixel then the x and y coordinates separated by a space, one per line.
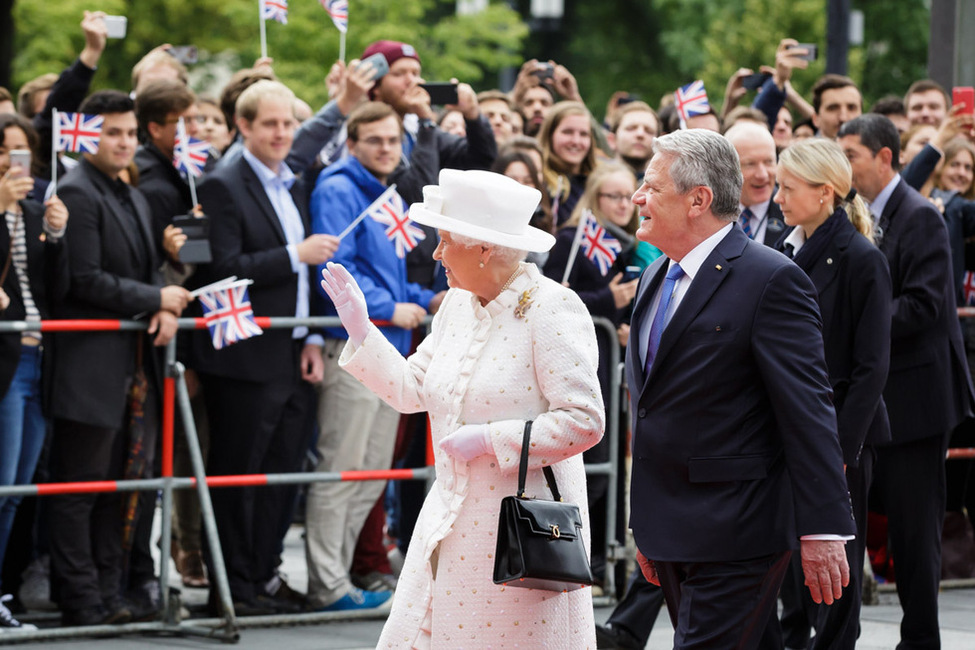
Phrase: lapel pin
pixel 829 260
pixel 717 266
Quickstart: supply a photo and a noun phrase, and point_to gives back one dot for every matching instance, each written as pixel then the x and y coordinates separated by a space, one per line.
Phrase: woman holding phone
pixel 33 274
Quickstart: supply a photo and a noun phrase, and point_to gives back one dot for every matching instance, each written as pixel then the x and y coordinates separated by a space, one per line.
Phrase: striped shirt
pixel 18 258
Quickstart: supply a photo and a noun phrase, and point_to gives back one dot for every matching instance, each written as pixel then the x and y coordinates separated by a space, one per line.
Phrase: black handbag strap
pixel 523 467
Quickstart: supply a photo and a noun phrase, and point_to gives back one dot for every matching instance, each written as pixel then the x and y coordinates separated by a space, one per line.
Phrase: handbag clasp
pixel 555 531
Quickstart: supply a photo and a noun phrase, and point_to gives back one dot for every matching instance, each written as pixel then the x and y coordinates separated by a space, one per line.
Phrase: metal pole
pixel 206 505
pixel 167 477
pixel 837 36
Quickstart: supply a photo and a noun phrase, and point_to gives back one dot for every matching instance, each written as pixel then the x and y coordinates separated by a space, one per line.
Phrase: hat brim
pixel 532 239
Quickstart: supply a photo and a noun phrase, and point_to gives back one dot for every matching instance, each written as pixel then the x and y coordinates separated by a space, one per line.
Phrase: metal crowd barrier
pixel 227 628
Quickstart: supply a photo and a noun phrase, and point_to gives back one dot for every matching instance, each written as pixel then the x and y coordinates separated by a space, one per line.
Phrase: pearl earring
pixel 820 201
pixel 481 264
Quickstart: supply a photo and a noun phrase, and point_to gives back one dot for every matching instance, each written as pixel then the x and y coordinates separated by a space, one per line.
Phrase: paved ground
pixel 880 625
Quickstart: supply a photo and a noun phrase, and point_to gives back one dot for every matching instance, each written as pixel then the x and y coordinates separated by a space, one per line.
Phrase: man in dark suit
pixel 731 403
pixel 114 274
pixel 929 390
pixel 756 151
pixel 257 391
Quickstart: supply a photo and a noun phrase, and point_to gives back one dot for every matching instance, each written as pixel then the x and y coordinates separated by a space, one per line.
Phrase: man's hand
pixel 173 240
pixel 55 214
pixel 786 60
pixel 734 90
pixel 565 84
pixel 96 34
pixel 166 324
pixel 955 124
pixel 354 85
pixel 623 334
pixel 407 315
pixel 648 567
pixel 824 565
pixel 417 100
pixel 174 299
pixel 317 249
pixel 466 101
pixel 312 365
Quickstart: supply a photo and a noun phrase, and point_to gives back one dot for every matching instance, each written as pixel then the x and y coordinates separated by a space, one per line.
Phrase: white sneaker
pixel 7 621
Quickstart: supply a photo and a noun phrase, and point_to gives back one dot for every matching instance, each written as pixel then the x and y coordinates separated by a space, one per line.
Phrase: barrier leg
pixel 206 508
pixel 169 394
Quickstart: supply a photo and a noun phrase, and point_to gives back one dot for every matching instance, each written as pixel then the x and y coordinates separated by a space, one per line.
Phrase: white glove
pixel 349 302
pixel 468 442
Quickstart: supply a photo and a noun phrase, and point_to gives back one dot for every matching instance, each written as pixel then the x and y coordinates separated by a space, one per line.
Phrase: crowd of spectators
pixel 278 191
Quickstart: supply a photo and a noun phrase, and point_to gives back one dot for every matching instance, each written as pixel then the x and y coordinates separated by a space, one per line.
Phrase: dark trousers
pixel 722 604
pixel 86 529
pixel 838 625
pixel 910 483
pixel 255 428
pixel 638 610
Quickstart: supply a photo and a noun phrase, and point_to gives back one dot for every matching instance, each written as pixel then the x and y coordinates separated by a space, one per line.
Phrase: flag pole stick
pixel 260 13
pixel 576 242
pixel 56 123
pixel 342 47
pixel 379 201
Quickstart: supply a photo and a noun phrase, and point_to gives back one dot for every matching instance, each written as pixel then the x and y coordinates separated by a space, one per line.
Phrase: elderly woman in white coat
pixel 507 345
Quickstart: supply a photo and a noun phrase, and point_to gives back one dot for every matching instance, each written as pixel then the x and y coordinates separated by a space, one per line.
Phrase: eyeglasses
pixel 615 197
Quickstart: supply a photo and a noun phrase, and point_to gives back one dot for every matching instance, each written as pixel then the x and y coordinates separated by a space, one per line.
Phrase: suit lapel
pixel 774 224
pixel 824 271
pixel 893 203
pixel 117 212
pixel 259 194
pixel 709 277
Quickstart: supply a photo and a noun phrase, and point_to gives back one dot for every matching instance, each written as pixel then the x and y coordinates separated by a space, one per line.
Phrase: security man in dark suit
pixel 929 390
pixel 258 393
pixel 733 419
pixel 114 273
pixel 756 151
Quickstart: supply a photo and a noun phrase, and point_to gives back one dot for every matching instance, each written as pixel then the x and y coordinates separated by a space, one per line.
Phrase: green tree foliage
pixel 470 48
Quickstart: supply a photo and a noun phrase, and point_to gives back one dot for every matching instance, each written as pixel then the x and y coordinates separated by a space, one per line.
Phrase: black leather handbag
pixel 540 542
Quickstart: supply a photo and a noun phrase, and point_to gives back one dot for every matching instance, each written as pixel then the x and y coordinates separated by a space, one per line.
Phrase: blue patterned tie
pixel 660 318
pixel 745 221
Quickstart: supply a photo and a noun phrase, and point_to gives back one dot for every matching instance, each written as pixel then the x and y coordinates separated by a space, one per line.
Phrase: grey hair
pixel 504 254
pixel 702 157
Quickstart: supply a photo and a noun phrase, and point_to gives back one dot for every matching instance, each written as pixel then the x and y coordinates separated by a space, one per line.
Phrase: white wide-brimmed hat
pixel 485 206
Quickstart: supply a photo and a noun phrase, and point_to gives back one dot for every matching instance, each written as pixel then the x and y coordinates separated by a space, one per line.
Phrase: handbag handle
pixel 523 467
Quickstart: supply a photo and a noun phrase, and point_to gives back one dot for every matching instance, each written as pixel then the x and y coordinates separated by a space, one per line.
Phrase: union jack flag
pixel 339 11
pixel 393 214
pixel 275 10
pixel 78 132
pixel 969 287
pixel 228 314
pixel 691 100
pixel 189 154
pixel 599 247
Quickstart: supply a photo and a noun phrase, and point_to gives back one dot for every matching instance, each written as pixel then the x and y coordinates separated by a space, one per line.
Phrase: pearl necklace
pixel 507 284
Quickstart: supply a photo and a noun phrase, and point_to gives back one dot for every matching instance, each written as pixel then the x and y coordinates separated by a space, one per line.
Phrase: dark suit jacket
pixel 735 451
pixel 774 224
pixel 247 240
pixel 47 274
pixel 163 186
pixel 853 287
pixel 114 274
pixel 929 390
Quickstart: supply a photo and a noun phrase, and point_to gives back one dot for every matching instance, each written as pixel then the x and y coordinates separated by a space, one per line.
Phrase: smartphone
pixel 20 158
pixel 441 94
pixel 960 95
pixel 627 99
pixel 185 54
pixel 116 26
pixel 631 273
pixel 755 81
pixel 810 48
pixel 544 71
pixel 196 249
pixel 378 61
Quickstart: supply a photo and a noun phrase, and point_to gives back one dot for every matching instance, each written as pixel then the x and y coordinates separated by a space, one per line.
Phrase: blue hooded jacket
pixel 343 190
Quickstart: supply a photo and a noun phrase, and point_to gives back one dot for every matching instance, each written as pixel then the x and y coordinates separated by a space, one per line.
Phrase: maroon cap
pixel 392 50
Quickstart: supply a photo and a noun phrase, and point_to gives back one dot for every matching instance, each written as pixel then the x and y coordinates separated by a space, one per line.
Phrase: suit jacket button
pixel 642 413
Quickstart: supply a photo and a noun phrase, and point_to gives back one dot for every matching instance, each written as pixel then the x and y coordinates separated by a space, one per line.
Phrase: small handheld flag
pixel 275 10
pixel 969 286
pixel 78 132
pixel 189 154
pixel 339 12
pixel 599 247
pixel 691 100
pixel 228 313
pixel 393 214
